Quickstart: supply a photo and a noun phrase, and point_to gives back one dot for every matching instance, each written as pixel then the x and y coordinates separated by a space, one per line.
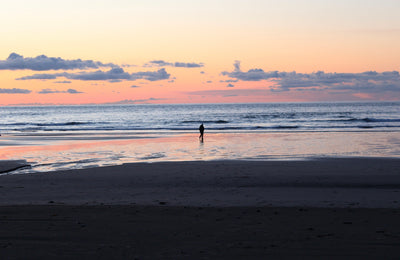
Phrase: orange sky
pixel 197 44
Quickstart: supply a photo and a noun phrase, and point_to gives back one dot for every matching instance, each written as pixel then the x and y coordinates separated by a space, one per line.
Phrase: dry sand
pixel 320 209
pixel 163 232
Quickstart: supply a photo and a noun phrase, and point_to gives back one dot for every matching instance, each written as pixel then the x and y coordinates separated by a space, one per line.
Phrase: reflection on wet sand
pixel 65 152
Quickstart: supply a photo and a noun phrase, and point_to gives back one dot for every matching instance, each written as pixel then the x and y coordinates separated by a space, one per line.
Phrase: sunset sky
pixel 157 51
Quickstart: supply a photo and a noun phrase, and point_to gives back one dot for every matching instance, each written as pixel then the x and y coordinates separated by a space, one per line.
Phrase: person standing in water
pixel 201 129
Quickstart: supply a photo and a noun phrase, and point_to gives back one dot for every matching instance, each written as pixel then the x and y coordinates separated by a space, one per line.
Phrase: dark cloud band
pixel 14 91
pixel 366 82
pixel 53 91
pixel 136 101
pixel 161 63
pixel 112 75
pixel 42 63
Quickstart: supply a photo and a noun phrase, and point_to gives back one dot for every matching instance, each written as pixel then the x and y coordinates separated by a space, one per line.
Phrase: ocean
pixel 70 137
pixel 268 117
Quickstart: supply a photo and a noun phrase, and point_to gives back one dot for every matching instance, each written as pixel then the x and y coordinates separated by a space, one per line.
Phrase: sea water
pixel 382 116
pixel 65 137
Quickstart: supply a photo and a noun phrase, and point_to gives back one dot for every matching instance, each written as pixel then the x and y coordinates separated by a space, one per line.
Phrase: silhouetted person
pixel 201 129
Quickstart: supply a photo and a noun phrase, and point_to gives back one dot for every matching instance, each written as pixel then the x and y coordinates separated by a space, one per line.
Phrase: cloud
pixel 135 86
pixel 128 65
pixel 63 82
pixel 42 63
pixel 113 75
pixel 229 81
pixel 230 85
pixel 162 63
pixel 366 82
pixel 43 76
pixel 159 63
pixel 231 92
pixel 73 91
pixel 188 65
pixel 14 91
pixel 135 101
pixel 160 74
pixel 251 75
pixel 48 91
pixel 53 91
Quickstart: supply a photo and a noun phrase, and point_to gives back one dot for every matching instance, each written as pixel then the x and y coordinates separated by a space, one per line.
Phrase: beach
pixel 343 208
pixel 268 181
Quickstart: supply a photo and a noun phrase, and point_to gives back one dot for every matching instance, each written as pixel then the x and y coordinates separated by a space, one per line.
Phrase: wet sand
pixel 7 166
pixel 61 151
pixel 319 209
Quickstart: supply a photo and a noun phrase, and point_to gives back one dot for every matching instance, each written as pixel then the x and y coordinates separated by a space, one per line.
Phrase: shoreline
pixel 48 153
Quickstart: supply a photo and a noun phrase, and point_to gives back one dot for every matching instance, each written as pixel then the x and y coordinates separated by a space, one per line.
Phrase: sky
pixel 208 51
